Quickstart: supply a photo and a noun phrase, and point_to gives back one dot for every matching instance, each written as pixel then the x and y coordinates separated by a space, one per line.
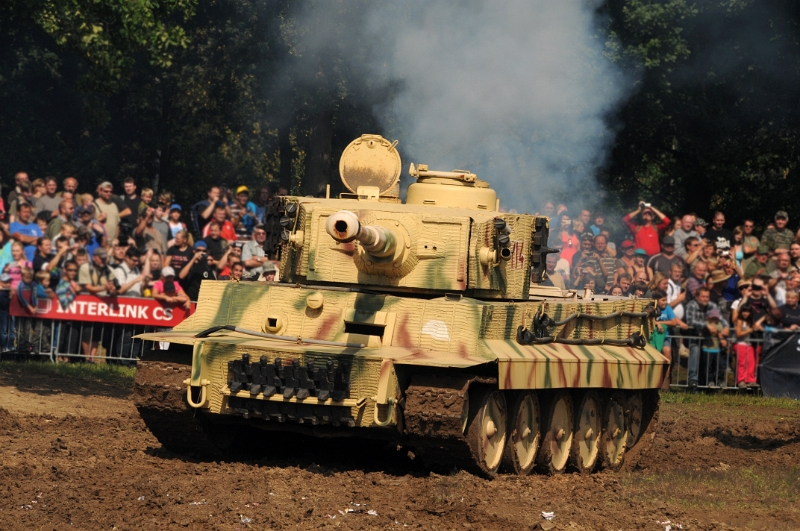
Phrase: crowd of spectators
pixel 58 243
pixel 714 283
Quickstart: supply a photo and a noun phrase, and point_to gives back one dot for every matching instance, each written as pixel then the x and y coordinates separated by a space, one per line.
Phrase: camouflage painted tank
pixel 424 322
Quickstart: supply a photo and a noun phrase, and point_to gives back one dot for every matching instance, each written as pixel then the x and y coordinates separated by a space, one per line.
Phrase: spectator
pixel 639 289
pixel 129 276
pixel 202 211
pixel 616 291
pixel 794 254
pixel 235 272
pixel 19 178
pixel 156 263
pixel 760 300
pixel 737 251
pixel 24 231
pixel 26 291
pixel 599 222
pixel 147 198
pixel 554 277
pixel 175 223
pixel 750 241
pixel 548 209
pixel 758 267
pixel 244 210
pixel 147 236
pixel 81 256
pixel 25 197
pixel 96 277
pixel 708 255
pixel 748 354
pixel 659 283
pixel 227 230
pixel 585 217
pixel 132 202
pixel 697 317
pixel 41 219
pixel 70 185
pixel 780 235
pixel 626 260
pixel 777 279
pixel 214 242
pixel 693 248
pixel 253 253
pixel 38 190
pixel 566 239
pixel 67 288
pixel 676 294
pixel 111 209
pixel 580 258
pixel 663 261
pixel 50 200
pixel 201 267
pixel 65 210
pixel 659 335
pixel 262 203
pixel 180 253
pixel 269 272
pixel 700 226
pixel 161 215
pixel 644 229
pixel 168 291
pixel 743 286
pixel 716 285
pixel 639 256
pixel 625 280
pixel 117 255
pixel 686 230
pixel 790 311
pixel 696 280
pixel 605 260
pixel 718 234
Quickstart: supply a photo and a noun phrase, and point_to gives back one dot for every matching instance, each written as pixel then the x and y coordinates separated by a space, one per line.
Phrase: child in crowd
pixel 747 354
pixel 147 199
pixel 175 224
pixel 19 261
pixel 659 336
pixel 715 340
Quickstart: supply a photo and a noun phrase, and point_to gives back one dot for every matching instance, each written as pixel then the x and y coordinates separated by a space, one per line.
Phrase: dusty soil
pixel 76 456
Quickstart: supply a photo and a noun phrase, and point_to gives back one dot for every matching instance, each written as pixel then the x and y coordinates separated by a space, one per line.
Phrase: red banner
pixel 119 310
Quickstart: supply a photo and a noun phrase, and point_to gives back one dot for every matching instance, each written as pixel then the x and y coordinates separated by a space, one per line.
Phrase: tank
pixel 426 322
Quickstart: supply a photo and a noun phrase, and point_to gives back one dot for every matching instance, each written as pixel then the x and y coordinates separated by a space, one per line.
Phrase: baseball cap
pixel 762 249
pixel 269 267
pixel 175 206
pixel 668 240
pixel 242 189
pixel 700 222
pixel 640 251
pixel 105 184
pixel 781 214
pixel 713 313
pixel 587 236
pixel 101 252
pixel 627 244
pixel 167 272
pixel 85 208
pixel 200 245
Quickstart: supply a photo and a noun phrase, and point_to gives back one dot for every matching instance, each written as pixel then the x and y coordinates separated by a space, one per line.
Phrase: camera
pixel 724 253
pixel 116 283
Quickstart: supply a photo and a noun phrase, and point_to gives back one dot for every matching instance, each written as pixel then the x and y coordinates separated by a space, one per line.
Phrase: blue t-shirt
pixel 667 314
pixel 27 229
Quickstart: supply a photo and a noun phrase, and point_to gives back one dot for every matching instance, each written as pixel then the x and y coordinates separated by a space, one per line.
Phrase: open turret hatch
pixel 370 168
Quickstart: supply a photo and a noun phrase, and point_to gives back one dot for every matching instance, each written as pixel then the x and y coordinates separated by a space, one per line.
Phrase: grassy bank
pixel 114 375
pixel 727 399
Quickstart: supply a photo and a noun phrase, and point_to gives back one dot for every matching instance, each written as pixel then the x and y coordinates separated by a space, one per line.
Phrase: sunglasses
pixel 746 286
pixel 757 288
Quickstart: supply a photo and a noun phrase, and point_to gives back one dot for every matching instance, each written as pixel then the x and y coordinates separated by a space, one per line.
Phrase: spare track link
pixel 160 396
pixel 434 417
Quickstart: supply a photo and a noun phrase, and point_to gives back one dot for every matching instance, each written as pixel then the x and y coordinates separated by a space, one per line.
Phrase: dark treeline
pixel 194 93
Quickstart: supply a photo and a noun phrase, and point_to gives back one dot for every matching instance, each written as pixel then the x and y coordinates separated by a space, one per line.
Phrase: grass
pixel 114 375
pixel 727 400
pixel 719 488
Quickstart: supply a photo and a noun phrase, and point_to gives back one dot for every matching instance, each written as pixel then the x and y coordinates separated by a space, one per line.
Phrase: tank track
pixel 160 396
pixel 434 421
pixel 434 418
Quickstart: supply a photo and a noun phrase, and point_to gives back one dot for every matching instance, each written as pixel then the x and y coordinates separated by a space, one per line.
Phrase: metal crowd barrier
pixel 717 369
pixel 54 340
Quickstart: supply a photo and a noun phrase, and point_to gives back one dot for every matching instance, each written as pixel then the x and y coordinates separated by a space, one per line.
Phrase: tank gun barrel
pixel 345 227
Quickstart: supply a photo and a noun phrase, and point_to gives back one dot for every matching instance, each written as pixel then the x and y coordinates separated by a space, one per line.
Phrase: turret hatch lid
pixel 370 160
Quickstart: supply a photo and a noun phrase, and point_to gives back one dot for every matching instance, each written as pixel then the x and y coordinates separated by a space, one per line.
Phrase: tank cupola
pixel 457 188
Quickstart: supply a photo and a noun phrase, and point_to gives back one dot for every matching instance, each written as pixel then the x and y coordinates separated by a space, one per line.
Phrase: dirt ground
pixel 76 456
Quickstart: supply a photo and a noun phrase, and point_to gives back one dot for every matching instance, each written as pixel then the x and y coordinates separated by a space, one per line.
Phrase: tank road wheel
pixel 525 434
pixel 615 431
pixel 588 428
pixel 557 434
pixel 635 414
pixel 486 429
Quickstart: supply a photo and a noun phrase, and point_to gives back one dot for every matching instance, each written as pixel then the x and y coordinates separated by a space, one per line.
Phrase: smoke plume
pixel 518 91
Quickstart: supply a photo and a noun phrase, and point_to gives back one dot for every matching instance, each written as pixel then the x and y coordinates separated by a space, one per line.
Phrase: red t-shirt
pixel 647 237
pixel 228 232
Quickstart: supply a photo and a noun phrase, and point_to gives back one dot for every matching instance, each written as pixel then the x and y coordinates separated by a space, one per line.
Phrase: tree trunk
pixel 318 158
